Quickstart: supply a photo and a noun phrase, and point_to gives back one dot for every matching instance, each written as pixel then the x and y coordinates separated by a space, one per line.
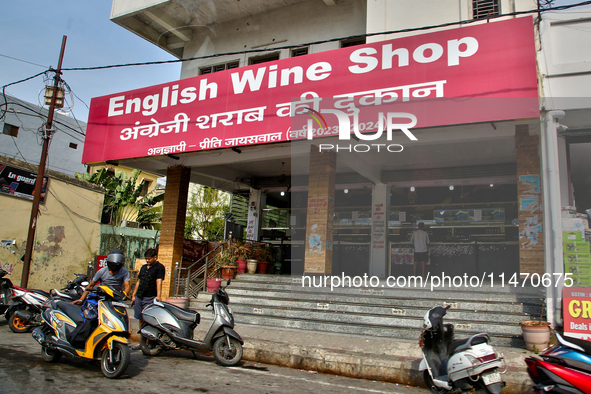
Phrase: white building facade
pixel 485 185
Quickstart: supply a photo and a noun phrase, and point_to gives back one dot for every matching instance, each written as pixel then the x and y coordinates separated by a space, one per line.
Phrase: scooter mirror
pixel 228 283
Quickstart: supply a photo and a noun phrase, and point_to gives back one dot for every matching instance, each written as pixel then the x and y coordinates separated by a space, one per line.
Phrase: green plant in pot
pixel 262 253
pixel 226 263
pixel 536 333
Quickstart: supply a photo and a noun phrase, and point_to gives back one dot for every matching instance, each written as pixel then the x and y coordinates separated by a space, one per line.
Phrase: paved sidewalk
pixel 382 359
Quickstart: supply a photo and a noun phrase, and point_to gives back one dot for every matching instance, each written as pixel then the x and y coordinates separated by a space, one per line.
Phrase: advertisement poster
pixel 20 183
pixel 576 306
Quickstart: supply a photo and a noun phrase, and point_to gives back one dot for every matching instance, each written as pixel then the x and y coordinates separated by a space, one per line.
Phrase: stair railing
pixel 192 280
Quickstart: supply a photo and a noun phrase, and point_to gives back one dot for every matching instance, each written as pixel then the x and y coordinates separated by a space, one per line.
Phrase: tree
pixel 206 212
pixel 123 200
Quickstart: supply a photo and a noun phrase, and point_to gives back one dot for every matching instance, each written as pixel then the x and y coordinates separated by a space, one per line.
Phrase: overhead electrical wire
pixel 464 22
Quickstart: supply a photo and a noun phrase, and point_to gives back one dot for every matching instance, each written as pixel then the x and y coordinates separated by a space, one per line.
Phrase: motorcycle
pixel 25 311
pixel 168 327
pixel 97 330
pixel 5 291
pixel 73 290
pixel 563 368
pixel 450 365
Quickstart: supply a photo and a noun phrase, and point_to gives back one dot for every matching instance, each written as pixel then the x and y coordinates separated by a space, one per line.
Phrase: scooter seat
pixel 72 310
pixel 451 348
pixel 182 314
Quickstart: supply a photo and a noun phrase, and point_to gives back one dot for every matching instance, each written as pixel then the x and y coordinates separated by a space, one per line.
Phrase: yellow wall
pixel 143 175
pixel 67 235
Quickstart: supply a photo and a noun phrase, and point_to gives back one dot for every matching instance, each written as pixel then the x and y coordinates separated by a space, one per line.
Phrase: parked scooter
pixel 97 330
pixel 563 368
pixel 168 327
pixel 458 365
pixel 25 310
pixel 5 292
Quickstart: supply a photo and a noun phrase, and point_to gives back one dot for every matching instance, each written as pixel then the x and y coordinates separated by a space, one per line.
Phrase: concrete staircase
pixel 281 301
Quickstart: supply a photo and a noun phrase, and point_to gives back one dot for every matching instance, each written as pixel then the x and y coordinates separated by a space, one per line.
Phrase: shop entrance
pixel 473 229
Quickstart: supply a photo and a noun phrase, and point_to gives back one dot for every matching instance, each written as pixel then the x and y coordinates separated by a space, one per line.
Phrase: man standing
pixel 112 275
pixel 420 239
pixel 149 284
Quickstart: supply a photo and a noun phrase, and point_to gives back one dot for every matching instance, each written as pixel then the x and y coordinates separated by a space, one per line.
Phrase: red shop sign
pixel 253 105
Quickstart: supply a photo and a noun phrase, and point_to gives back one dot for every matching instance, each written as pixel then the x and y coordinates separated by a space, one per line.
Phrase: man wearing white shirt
pixel 420 239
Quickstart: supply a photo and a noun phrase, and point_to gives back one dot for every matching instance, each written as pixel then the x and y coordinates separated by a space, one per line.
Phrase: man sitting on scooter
pixel 112 275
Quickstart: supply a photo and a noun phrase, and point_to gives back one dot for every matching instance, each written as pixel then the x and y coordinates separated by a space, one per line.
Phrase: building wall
pixel 29 118
pixel 565 59
pixel 387 15
pixel 67 235
pixel 314 22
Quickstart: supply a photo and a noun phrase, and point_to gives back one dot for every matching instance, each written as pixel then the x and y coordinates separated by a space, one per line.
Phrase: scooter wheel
pixel 50 356
pixel 225 355
pixel 150 348
pixel 18 325
pixel 116 367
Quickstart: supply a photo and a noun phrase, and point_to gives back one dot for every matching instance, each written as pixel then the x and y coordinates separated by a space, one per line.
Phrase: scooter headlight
pixel 108 322
pixel 224 313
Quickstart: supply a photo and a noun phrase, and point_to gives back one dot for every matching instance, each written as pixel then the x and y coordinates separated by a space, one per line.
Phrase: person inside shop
pixel 112 275
pixel 149 284
pixel 420 240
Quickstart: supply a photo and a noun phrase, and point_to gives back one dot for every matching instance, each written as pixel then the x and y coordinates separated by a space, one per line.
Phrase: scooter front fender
pixel 422 365
pixel 225 330
pixel 116 338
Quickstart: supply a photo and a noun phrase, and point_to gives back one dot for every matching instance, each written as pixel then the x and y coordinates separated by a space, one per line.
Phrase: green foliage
pixel 123 200
pixel 206 211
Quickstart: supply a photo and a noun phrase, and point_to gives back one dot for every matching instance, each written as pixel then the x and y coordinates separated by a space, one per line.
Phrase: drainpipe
pixel 552 213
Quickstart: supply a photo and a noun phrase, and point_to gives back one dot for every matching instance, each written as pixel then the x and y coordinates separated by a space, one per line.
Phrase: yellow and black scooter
pixel 97 330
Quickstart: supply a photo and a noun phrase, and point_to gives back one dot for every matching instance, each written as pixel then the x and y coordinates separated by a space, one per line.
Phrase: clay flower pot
pixel 213 284
pixel 228 272
pixel 536 334
pixel 251 266
pixel 262 267
pixel 241 266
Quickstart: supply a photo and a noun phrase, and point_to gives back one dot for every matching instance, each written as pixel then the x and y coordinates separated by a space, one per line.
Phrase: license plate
pixel 491 377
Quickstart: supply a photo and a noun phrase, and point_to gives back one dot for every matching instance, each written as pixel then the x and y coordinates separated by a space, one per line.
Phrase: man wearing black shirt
pixel 149 284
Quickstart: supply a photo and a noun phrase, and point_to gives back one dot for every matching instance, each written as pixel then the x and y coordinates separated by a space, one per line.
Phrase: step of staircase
pixel 281 301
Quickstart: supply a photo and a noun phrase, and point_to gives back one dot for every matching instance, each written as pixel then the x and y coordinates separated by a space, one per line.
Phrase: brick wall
pixel 530 202
pixel 173 223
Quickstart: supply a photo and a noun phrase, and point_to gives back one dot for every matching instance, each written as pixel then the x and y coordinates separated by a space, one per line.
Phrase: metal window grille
pixel 299 52
pixel 263 59
pixel 352 42
pixel 482 9
pixel 218 67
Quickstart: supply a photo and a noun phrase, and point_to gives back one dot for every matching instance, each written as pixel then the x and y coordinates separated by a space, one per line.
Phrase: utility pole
pixel 41 171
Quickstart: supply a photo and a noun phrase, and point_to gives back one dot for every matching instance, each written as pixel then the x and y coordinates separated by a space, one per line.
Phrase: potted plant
pixel 262 253
pixel 226 263
pixel 536 333
pixel 246 251
pixel 243 253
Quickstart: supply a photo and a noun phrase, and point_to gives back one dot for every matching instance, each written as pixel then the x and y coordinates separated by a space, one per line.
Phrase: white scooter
pixel 458 365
